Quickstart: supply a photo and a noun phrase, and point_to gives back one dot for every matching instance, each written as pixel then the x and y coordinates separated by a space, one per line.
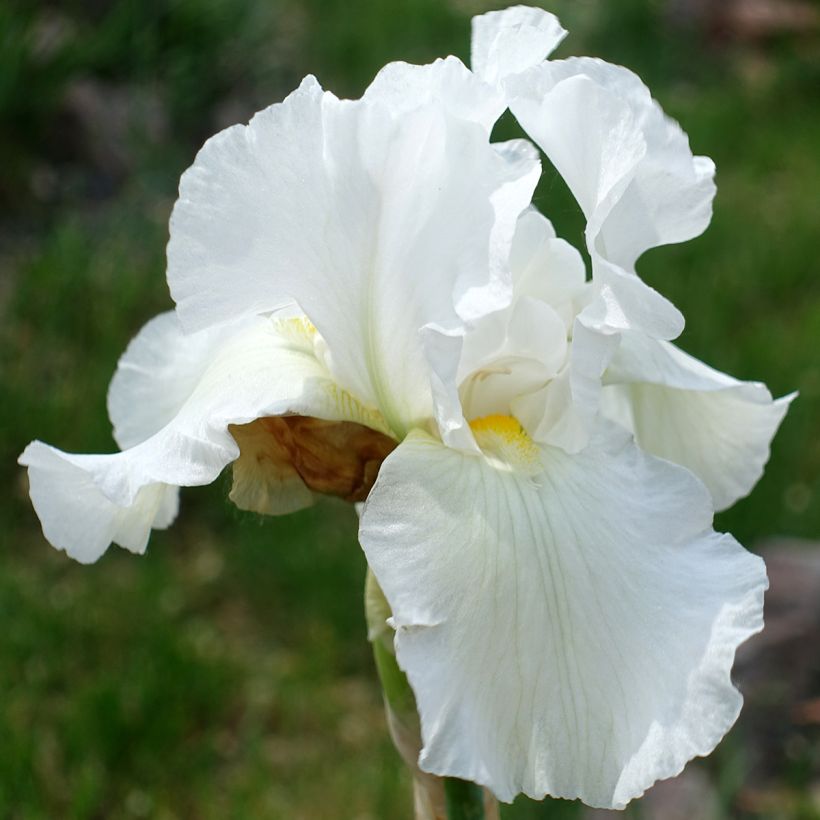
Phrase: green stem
pixel 465 800
pixel 435 798
pixel 396 689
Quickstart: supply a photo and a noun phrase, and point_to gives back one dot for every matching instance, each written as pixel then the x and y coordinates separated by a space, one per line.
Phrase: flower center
pixel 505 442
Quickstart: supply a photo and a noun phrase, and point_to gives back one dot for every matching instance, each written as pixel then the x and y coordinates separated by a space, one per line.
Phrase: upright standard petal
pixel 267 368
pixel 628 165
pixel 537 358
pixel 568 623
pixel 685 411
pixel 632 171
pixel 376 221
pixel 446 82
pixel 547 268
pixel 512 40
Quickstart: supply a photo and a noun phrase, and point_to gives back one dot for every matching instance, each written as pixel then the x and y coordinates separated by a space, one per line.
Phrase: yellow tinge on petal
pixel 297 328
pixel 503 438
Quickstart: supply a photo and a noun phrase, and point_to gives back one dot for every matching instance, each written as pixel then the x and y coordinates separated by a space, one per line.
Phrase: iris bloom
pixel 368 305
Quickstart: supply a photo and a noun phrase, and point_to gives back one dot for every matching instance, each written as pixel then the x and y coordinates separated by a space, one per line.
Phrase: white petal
pixel 625 302
pixel 510 41
pixel 545 270
pixel 563 413
pixel 515 360
pixel 79 519
pixel 548 270
pixel 530 347
pixel 155 376
pixel 376 221
pixel 445 352
pixel 628 165
pixel 266 369
pixel 546 267
pixel 403 87
pixel 568 628
pixel 682 410
pixel 509 200
pixel 632 170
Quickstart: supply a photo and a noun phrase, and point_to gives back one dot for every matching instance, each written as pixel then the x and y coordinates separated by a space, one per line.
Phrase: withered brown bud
pixel 284 459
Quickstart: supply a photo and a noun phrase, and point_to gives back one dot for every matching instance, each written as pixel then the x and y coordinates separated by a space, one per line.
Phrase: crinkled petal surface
pixel 447 82
pixel 544 269
pixel 563 413
pixel 157 374
pixel 629 166
pixel 78 518
pixel 682 410
pixel 568 623
pixel 548 269
pixel 533 349
pixel 266 368
pixel 559 400
pixel 377 220
pixel 631 169
pixel 512 40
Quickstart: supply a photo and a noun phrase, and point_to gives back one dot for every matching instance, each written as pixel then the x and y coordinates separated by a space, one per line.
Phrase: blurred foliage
pixel 227 672
pixel 190 52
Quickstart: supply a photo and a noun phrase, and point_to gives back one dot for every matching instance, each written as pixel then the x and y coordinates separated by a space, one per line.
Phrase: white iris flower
pixel 368 305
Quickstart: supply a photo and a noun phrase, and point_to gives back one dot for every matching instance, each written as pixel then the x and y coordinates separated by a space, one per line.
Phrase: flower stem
pixel 435 798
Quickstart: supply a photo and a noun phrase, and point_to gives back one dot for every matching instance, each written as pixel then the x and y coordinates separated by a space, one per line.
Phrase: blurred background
pixel 226 673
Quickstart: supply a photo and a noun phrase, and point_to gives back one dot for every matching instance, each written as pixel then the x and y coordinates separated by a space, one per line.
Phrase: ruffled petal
pixel 568 623
pixel 78 518
pixel 546 267
pixel 563 412
pixel 531 351
pixel 377 222
pixel 559 383
pixel 628 165
pixel 512 40
pixel 633 172
pixel 682 410
pixel 447 82
pixel 268 368
pixel 156 375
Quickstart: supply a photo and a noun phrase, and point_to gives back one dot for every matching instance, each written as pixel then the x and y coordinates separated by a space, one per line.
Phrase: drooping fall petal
pixel 687 412
pixel 266 368
pixel 568 623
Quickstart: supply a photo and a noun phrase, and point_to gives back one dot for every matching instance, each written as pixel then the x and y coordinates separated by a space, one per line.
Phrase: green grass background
pixel 226 673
